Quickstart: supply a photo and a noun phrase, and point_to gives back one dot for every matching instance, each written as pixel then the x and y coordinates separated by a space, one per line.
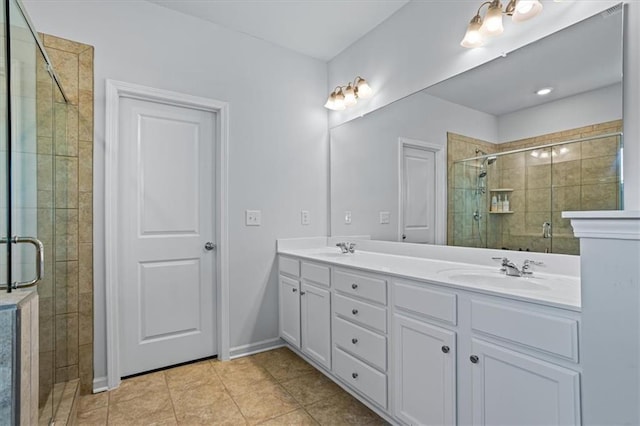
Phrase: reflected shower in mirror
pixel 428 167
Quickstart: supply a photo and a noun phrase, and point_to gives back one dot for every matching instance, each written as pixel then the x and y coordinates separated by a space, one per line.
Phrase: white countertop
pixel 560 291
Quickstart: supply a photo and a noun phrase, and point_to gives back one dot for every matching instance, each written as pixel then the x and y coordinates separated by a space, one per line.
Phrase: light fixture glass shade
pixel 473 37
pixel 350 96
pixel 335 101
pixel 527 9
pixel 338 101
pixel 362 88
pixel 492 25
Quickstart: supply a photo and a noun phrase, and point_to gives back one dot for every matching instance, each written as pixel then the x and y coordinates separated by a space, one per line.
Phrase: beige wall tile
pixel 66 65
pixel 566 198
pixel 85 330
pixel 66 287
pixel 600 197
pixel 85 367
pixel 85 217
pixel 86 70
pixel 86 268
pixel 86 115
pixel 66 341
pixel 538 176
pixel 567 173
pixel 538 200
pixel 70 46
pixel 64 374
pixel 598 170
pixel 85 178
pixel 66 182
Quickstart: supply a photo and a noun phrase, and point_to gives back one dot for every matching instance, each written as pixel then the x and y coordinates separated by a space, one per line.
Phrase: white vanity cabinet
pixel 423 353
pixel 524 364
pixel 305 308
pixel 424 389
pixel 360 333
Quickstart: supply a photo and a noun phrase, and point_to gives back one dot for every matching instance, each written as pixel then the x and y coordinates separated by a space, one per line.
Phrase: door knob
pixel 445 349
pixel 474 359
pixel 209 246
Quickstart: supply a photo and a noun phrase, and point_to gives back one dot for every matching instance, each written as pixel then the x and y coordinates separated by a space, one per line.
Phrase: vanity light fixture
pixel 346 96
pixel 491 24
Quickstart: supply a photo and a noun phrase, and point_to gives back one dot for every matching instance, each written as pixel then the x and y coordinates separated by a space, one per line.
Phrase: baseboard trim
pixel 254 348
pixel 100 384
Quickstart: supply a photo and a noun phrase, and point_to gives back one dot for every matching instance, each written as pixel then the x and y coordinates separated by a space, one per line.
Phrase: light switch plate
pixel 305 217
pixel 385 217
pixel 347 217
pixel 253 217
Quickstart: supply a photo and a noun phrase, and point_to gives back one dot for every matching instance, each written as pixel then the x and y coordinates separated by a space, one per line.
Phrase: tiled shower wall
pixel 586 177
pixel 67 306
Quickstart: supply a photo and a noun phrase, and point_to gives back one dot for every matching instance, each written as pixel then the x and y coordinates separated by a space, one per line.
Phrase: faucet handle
pixel 526 266
pixel 352 247
pixel 343 247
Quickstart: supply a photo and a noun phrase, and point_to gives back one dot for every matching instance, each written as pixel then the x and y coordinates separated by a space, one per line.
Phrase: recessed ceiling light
pixel 544 91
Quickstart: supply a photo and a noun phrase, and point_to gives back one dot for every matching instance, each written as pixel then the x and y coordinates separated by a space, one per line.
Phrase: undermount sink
pixel 496 279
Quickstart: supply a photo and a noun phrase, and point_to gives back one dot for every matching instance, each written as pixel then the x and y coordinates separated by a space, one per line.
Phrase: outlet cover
pixel 305 217
pixel 253 217
pixel 385 217
pixel 347 217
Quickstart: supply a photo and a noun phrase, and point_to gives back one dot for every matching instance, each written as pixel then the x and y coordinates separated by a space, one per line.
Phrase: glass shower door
pixel 34 129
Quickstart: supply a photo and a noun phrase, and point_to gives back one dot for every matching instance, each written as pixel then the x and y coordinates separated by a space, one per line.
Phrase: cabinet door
pixel 510 388
pixel 425 375
pixel 290 310
pixel 316 324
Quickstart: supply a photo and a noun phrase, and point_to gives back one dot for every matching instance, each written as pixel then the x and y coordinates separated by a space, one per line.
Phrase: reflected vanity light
pixel 491 25
pixel 544 91
pixel 346 96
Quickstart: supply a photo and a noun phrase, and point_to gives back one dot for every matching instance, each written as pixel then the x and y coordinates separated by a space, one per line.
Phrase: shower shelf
pixel 510 211
pixel 502 190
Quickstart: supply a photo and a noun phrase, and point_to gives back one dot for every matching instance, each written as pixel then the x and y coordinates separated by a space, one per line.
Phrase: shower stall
pixel 33 129
pixel 514 200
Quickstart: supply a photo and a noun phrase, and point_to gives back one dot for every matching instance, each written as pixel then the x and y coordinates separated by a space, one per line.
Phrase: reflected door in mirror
pixel 418 195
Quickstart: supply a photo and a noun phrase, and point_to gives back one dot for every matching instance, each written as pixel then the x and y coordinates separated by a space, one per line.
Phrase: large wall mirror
pixel 484 159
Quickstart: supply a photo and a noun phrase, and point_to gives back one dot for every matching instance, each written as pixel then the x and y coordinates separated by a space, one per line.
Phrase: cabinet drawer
pixel 537 330
pixel 361 312
pixel 422 300
pixel 369 288
pixel 361 377
pixel 318 274
pixel 370 346
pixel 289 266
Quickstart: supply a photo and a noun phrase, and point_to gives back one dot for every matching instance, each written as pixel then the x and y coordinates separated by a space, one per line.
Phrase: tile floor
pixel 271 388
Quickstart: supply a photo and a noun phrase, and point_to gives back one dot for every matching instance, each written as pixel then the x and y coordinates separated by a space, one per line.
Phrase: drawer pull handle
pixel 445 349
pixel 294 290
pixel 354 375
pixel 474 359
pixel 354 286
pixel 354 311
pixel 354 340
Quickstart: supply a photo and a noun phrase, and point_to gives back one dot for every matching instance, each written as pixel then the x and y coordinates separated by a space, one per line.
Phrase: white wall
pixel 364 157
pixel 278 152
pixel 419 46
pixel 596 106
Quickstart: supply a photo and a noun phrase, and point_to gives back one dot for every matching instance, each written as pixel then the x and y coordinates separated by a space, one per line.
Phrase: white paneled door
pixel 418 195
pixel 166 257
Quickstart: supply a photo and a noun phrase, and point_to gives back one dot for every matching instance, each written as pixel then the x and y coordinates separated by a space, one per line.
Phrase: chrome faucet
pixel 511 269
pixel 346 247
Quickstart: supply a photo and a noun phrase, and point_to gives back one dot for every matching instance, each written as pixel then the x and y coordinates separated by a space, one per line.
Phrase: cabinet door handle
pixel 354 340
pixel 445 349
pixel 302 293
pixel 294 290
pixel 474 359
pixel 354 286
pixel 354 311
pixel 354 375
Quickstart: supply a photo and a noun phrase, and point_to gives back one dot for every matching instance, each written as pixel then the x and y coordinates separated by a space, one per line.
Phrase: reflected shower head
pixel 482 173
pixel 492 159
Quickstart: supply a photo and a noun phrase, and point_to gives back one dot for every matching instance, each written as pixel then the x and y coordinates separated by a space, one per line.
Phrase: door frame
pixel 115 91
pixel 440 186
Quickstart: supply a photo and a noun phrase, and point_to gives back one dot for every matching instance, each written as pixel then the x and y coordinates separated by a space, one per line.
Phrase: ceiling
pixel 317 28
pixel 578 59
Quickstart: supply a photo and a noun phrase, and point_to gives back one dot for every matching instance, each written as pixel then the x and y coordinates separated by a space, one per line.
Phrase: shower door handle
pixel 39 258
